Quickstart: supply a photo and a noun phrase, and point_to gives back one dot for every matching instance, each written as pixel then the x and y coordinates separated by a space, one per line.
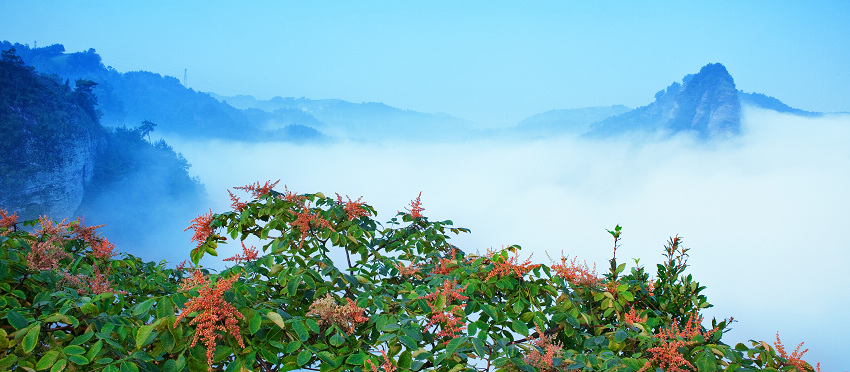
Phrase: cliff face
pixel 49 139
pixel 55 190
pixel 706 103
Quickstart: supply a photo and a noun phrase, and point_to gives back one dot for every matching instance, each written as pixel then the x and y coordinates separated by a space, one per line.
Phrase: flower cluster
pixel 416 207
pixel 214 313
pixel 578 274
pixel 412 270
pixel 667 355
pixel 445 265
pixel 7 221
pixel 795 359
pixel 305 219
pixel 258 191
pixel 387 365
pixel 508 266
pixel 353 208
pixel 550 348
pixel 632 317
pixel 202 226
pixel 248 254
pixel 448 317
pixel 345 316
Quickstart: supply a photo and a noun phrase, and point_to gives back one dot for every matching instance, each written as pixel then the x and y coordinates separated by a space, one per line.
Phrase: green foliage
pixel 401 297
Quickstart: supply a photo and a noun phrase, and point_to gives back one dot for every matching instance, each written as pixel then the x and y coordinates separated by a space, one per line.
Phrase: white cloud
pixel 763 213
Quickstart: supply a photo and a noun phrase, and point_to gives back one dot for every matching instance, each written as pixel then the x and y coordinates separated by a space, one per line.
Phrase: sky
pixel 492 62
pixel 763 213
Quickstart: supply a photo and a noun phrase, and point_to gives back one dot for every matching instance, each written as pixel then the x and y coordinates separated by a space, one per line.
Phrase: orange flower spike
pixel 353 209
pixel 633 317
pixel 8 220
pixel 305 220
pixel 450 321
pixel 580 275
pixel 795 359
pixel 202 227
pixel 416 207
pixel 103 249
pixel 551 350
pixel 502 269
pixel 256 190
pixel 248 254
pixel 212 310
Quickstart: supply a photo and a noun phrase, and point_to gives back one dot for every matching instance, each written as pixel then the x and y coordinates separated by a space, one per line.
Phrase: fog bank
pixel 762 213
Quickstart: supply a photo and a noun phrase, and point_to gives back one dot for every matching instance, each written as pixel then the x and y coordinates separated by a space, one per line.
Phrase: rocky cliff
pixel 49 139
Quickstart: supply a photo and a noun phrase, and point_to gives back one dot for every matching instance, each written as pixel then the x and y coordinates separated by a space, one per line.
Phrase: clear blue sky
pixel 492 62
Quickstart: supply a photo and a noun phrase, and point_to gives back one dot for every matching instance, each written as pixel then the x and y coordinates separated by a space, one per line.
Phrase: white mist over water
pixel 763 213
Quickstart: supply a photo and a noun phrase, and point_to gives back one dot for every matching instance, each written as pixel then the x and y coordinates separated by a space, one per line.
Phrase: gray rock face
pixel 58 189
pixel 706 103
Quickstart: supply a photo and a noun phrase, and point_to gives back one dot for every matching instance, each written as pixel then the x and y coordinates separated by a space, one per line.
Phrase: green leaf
pixel 175 366
pixel 276 318
pixel 705 362
pixel 405 360
pixel 478 345
pixel 519 327
pixel 129 367
pixel 143 334
pixel 94 350
pixel 47 360
pixel 81 339
pixel 143 307
pixel 31 338
pixel 304 357
pixel 60 365
pixel 164 308
pixel 627 296
pixel 301 329
pixel 313 325
pixel 254 323
pixel 16 320
pixel 78 359
pixel 454 344
pixel 355 359
pixel 74 350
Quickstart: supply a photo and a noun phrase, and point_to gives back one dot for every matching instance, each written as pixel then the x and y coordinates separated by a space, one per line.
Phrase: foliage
pixel 399 296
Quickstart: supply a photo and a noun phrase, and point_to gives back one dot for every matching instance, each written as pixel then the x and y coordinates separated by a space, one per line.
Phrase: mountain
pixel 360 121
pixel 49 140
pixel 127 99
pixel 56 159
pixel 564 121
pixel 706 103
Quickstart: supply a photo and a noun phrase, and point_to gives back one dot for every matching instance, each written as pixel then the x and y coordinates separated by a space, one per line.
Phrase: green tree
pixel 403 298
pixel 146 128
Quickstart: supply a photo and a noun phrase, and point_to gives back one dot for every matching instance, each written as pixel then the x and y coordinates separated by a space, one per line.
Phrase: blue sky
pixel 763 211
pixel 492 62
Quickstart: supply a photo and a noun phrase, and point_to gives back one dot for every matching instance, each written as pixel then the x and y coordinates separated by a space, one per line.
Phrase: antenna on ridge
pixel 185 70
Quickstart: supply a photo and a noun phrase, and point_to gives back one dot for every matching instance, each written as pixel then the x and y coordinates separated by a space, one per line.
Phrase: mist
pixel 763 213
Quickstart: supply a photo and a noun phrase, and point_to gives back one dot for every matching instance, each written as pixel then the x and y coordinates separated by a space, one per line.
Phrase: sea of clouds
pixel 764 214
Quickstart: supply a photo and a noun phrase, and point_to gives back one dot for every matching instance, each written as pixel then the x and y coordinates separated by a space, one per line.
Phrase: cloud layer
pixel 763 213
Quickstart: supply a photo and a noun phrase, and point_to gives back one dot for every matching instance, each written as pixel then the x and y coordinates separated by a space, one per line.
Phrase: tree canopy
pixel 398 296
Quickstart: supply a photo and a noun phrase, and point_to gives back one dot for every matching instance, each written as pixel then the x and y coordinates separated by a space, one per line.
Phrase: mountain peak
pixel 706 103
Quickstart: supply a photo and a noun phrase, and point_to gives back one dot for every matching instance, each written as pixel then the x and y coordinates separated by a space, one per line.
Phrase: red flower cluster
pixel 505 268
pixel 551 349
pixel 248 254
pixel 411 270
pixel 303 222
pixel 258 191
pixel 449 317
pixel 102 249
pixel 445 265
pixel 202 226
pixel 632 317
pixel 795 359
pixel 346 316
pixel 387 365
pixel 214 313
pixel 7 220
pixel 353 209
pixel 416 207
pixel 580 275
pixel 667 355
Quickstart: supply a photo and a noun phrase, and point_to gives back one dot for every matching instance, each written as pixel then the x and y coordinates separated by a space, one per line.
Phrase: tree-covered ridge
pixel 39 116
pixel 399 297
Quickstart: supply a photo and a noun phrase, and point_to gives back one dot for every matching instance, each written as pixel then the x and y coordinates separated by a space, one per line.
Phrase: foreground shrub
pixel 401 297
